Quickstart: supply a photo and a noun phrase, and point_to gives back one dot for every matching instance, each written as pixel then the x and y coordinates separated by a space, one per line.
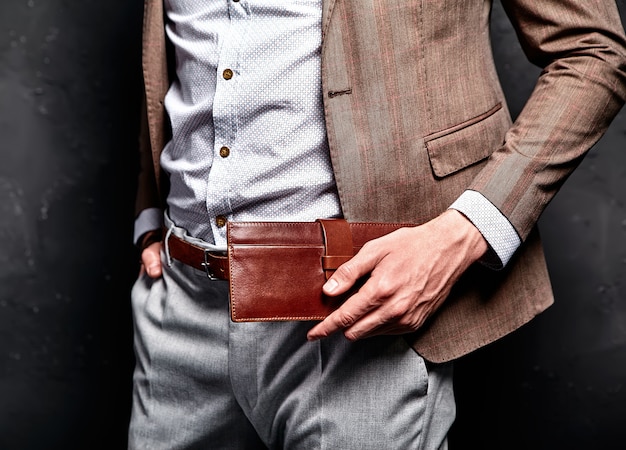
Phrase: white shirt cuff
pixel 149 219
pixel 493 225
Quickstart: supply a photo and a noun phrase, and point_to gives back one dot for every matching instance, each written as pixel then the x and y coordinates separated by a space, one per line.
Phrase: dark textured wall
pixel 69 93
pixel 560 382
pixel 69 106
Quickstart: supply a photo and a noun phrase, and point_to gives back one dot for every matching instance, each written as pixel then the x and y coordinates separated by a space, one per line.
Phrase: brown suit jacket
pixel 415 115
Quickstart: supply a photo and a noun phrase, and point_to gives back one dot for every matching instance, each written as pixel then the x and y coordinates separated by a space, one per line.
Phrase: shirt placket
pixel 225 114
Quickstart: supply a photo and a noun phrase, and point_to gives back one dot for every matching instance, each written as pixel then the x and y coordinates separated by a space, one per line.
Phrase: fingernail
pixel 330 286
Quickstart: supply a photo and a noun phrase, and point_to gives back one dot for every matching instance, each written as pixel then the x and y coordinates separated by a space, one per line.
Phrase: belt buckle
pixel 207 267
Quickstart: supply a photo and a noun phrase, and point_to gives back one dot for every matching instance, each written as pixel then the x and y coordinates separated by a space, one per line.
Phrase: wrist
pixel 465 234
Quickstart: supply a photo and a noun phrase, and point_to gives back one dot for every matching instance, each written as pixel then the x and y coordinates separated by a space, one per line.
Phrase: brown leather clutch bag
pixel 277 269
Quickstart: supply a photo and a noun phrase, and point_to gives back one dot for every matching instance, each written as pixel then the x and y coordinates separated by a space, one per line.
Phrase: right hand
pixel 151 260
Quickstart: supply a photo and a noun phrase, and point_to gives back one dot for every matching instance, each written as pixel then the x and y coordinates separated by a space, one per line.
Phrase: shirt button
pixel 236 1
pixel 227 74
pixel 220 221
pixel 224 152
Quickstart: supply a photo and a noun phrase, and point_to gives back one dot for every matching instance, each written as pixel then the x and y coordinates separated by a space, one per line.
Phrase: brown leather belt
pixel 215 264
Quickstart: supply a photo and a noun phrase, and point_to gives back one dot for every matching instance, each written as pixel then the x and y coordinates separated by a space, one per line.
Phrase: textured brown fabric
pixel 154 125
pixel 415 115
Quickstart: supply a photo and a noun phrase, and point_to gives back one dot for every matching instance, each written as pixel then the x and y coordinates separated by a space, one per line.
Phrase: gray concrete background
pixel 69 100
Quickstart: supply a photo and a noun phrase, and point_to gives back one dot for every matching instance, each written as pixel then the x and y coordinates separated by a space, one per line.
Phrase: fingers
pixel 344 317
pixel 394 318
pixel 344 278
pixel 348 273
pixel 369 296
pixel 151 260
pixel 370 313
pixel 365 310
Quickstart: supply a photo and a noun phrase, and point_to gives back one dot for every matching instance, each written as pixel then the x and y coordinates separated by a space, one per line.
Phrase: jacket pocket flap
pixel 467 143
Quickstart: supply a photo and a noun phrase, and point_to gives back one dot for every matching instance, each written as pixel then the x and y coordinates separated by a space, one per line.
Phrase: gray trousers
pixel 204 382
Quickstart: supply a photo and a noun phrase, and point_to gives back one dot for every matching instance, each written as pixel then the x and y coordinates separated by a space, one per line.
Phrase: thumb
pixel 347 275
pixel 151 259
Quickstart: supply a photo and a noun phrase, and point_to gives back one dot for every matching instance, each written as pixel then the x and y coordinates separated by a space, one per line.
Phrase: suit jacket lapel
pixel 327 9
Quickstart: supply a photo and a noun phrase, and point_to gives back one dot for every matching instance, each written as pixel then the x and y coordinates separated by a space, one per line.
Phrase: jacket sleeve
pixel 581 48
pixel 147 192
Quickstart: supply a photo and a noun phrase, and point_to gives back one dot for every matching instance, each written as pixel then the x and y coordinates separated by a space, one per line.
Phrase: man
pixel 371 111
